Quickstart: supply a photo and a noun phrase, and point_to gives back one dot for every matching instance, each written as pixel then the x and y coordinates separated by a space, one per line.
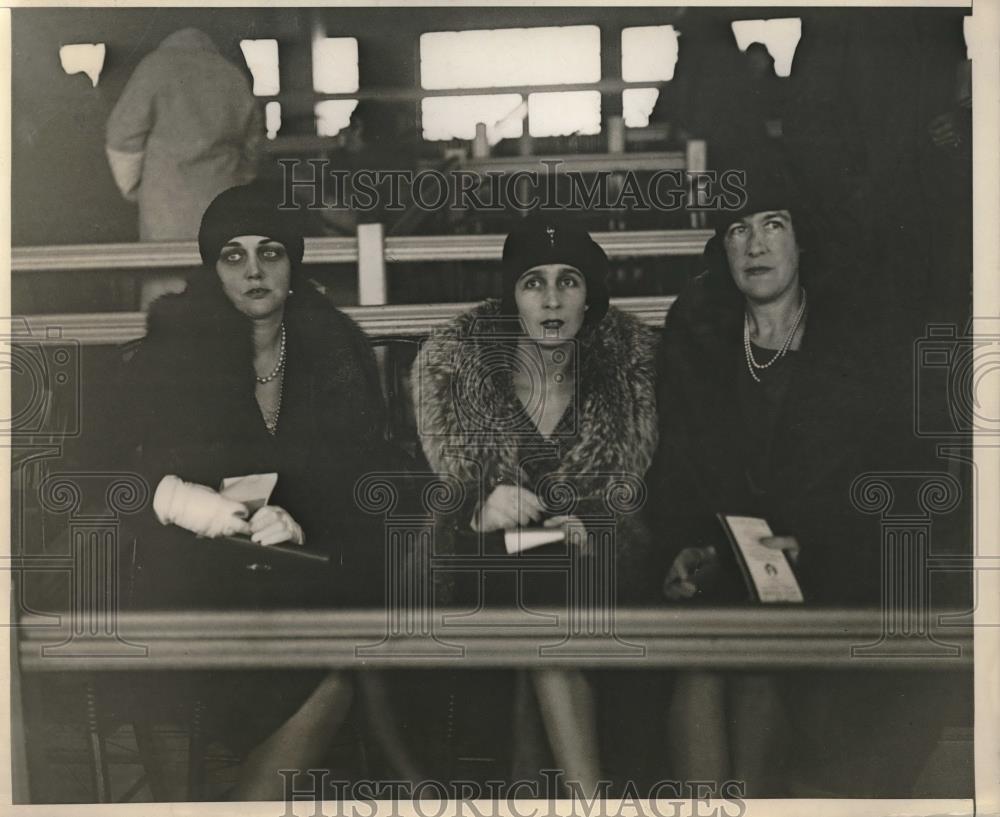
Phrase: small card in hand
pixel 518 540
pixel 767 571
pixel 253 490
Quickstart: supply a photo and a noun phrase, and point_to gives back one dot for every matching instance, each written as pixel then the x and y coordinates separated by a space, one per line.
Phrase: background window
pixel 335 65
pixel 501 58
pixel 455 117
pixel 335 71
pixel 510 56
pixel 649 54
pixel 565 113
pixel 637 105
pixel 83 58
pixel 262 60
pixel 272 118
pixel 779 36
pixel 333 115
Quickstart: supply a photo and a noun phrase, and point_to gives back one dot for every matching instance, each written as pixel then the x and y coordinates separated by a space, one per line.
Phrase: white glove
pixel 272 525
pixel 198 509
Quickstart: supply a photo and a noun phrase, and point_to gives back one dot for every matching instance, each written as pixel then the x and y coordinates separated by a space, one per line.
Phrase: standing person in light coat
pixel 185 128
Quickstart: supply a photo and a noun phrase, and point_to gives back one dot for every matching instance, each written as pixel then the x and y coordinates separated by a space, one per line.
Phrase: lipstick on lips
pixel 257 292
pixel 552 327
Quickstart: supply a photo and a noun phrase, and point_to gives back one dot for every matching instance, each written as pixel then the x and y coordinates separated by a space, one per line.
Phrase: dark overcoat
pixel 843 415
pixel 187 407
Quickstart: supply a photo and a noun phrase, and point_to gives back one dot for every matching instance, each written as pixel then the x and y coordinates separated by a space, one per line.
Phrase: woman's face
pixel 551 300
pixel 255 274
pixel 763 255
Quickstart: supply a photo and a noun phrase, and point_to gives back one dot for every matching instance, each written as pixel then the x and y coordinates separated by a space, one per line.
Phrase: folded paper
pixel 518 540
pixel 253 490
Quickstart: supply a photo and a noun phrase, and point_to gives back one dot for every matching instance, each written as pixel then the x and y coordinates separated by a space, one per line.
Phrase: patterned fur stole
pixel 468 412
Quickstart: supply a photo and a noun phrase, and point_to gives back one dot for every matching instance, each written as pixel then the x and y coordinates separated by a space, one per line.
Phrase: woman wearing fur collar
pixel 540 403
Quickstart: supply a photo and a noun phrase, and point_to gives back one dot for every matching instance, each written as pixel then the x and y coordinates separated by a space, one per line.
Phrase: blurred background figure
pixel 185 128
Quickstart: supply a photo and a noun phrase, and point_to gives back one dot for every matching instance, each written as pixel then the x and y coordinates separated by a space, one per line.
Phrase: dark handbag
pixel 174 569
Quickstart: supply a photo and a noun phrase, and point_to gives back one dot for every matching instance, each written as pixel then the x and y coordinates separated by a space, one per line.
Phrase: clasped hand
pixel 205 512
pixel 272 525
pixel 695 567
pixel 510 506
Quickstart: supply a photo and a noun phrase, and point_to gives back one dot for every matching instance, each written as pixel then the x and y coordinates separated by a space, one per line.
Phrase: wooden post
pixel 697 159
pixel 372 287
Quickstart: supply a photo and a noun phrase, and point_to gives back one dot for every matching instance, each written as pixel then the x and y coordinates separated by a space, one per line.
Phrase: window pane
pixel 455 117
pixel 510 56
pixel 262 60
pixel 86 58
pixel 649 53
pixel 564 113
pixel 780 36
pixel 333 115
pixel 637 105
pixel 272 118
pixel 335 65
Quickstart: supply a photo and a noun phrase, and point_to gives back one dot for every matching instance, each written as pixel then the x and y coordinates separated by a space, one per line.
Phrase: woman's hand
pixel 946 130
pixel 690 566
pixel 198 508
pixel 789 544
pixel 272 525
pixel 573 529
pixel 507 507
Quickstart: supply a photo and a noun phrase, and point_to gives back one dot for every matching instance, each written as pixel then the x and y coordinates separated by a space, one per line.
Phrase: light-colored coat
pixel 185 128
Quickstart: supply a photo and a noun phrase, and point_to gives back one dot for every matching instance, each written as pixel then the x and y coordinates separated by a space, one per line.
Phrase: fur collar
pixel 467 408
pixel 202 319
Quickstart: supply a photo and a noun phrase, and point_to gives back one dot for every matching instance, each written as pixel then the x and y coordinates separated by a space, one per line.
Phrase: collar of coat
pixel 201 342
pixel 467 408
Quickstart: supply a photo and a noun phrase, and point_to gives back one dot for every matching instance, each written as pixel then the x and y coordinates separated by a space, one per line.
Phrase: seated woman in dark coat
pixel 251 371
pixel 538 404
pixel 778 387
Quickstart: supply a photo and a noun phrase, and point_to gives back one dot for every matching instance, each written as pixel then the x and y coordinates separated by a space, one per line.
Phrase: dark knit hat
pixel 768 185
pixel 543 239
pixel 251 209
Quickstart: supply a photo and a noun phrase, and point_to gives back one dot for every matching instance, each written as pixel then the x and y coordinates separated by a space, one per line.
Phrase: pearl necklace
pixel 281 360
pixel 752 364
pixel 271 417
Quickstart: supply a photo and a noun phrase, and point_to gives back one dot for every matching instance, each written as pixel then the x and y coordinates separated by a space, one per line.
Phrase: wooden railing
pixel 392 320
pixel 370 250
pixel 159 255
pixel 722 638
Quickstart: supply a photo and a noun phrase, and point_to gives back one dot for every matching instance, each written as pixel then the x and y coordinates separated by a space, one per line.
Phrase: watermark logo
pixel 45 382
pixel 421 556
pixel 550 795
pixel 545 184
pixel 906 503
pixel 956 380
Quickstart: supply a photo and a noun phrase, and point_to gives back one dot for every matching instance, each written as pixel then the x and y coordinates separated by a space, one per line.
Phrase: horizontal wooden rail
pixel 646 162
pixel 624 244
pixel 723 638
pixel 392 320
pixel 152 256
pixel 606 86
pixel 155 255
